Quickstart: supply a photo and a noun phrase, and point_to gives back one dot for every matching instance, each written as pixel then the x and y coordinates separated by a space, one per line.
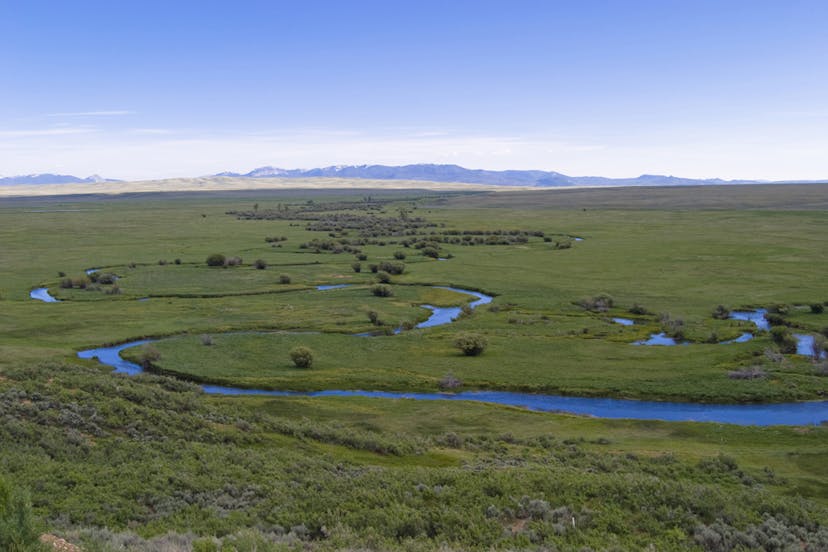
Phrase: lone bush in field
pixel 260 264
pixel 216 259
pixel 301 356
pixel 284 279
pixel 357 267
pixel 817 308
pixel 471 344
pixel 383 277
pixel 381 290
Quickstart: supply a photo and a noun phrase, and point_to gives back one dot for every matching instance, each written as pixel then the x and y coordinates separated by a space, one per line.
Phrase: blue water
pixel 756 316
pixel 659 339
pixel 752 414
pixel 624 321
pixel 111 356
pixel 747 336
pixel 335 286
pixel 805 344
pixel 42 294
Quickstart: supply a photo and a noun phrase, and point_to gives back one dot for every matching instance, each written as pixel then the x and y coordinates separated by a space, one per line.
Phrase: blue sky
pixel 146 89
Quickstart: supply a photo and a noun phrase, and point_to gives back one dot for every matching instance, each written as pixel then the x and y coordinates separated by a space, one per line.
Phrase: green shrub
pixel 775 319
pixel 284 279
pixel 430 252
pixel 382 290
pixel 600 303
pixel 17 526
pixel 449 381
pixel 471 344
pixel 374 318
pixel 721 313
pixel 149 355
pixel 216 259
pixel 301 356
pixel 260 264
pixel 784 339
pixel 399 255
pixel 383 277
pixel 393 268
pixel 638 309
pixel 817 308
pixel 357 267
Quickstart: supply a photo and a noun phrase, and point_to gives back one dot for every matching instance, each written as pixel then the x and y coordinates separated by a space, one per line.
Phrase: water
pixel 747 336
pixel 440 316
pixel 805 345
pixel 740 414
pixel 807 413
pixel 334 286
pixel 659 339
pixel 624 321
pixel 42 294
pixel 756 316
pixel 111 356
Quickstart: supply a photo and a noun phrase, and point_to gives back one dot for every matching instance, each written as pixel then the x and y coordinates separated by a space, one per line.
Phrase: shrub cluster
pixel 382 290
pixel 784 339
pixel 471 344
pixel 599 303
pixel 301 356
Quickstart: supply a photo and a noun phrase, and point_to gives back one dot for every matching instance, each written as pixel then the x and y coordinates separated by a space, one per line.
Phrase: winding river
pixel 804 413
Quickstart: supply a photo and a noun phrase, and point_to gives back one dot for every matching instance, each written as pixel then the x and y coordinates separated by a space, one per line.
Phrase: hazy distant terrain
pixel 455 173
pixel 406 176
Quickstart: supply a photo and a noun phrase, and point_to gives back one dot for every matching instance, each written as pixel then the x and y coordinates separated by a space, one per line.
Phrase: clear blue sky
pixel 145 89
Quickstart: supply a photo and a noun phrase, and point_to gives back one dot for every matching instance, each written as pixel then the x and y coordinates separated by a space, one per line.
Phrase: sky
pixel 149 89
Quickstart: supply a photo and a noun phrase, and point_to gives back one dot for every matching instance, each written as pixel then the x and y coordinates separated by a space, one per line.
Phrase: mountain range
pixel 48 178
pixel 426 172
pixel 455 173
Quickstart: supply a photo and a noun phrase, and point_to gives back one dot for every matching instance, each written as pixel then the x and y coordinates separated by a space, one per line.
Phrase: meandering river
pixel 804 413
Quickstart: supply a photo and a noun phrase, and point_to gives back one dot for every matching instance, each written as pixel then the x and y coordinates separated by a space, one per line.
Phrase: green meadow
pixel 151 461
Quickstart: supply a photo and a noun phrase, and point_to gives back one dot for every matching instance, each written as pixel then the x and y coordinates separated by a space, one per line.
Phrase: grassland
pixel 152 454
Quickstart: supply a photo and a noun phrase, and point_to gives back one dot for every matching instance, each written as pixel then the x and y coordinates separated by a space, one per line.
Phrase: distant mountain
pixel 455 173
pixel 47 178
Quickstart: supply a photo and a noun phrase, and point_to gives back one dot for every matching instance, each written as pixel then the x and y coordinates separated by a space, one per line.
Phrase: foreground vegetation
pixel 113 462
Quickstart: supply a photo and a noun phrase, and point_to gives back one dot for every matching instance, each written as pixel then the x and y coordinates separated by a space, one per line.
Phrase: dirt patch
pixel 57 543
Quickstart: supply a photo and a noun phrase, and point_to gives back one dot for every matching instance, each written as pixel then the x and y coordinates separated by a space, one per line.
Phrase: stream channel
pixel 799 413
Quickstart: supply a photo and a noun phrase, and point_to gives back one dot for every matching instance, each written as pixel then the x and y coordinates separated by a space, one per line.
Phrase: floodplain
pixel 152 457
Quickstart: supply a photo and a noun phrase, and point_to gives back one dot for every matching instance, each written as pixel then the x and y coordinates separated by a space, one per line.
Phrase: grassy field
pixel 152 454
